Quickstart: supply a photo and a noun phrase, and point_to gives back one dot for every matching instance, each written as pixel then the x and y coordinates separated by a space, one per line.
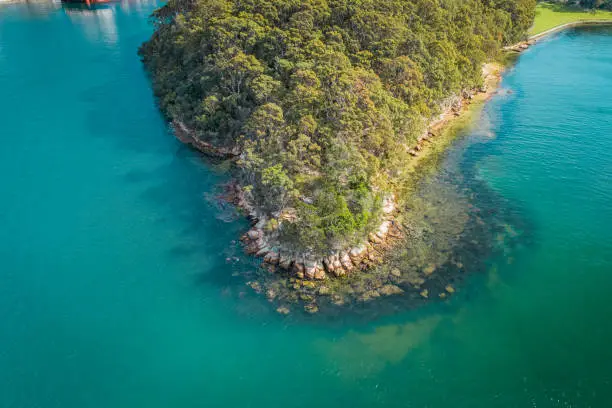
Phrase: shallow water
pixel 116 291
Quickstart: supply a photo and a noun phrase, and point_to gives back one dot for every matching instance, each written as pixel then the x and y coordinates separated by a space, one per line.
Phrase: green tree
pixel 323 98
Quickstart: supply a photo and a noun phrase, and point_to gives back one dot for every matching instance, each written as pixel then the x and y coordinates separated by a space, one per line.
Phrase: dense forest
pixel 322 98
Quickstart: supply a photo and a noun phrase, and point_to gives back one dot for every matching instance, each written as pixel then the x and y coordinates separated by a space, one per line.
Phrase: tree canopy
pixel 322 97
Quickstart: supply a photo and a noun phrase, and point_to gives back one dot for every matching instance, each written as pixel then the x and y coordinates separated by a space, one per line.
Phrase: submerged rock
pixel 389 290
pixel 369 295
pixel 306 297
pixel 256 286
pixel 337 300
pixel 414 279
pixel 284 310
pixel 271 294
pixel 429 269
pixel 311 308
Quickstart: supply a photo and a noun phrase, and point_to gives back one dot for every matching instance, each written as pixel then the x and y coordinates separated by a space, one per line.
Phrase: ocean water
pixel 121 282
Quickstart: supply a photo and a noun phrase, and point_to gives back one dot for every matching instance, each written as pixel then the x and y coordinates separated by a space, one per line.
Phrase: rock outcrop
pixel 521 46
pixel 188 137
pixel 341 263
pixel 258 242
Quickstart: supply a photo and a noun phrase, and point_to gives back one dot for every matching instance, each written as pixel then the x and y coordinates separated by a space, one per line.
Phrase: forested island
pixel 322 104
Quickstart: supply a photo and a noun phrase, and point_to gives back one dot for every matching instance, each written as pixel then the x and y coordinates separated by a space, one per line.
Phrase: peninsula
pixel 322 105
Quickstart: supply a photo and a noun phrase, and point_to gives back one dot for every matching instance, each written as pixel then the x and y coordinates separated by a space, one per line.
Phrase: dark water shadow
pixel 185 188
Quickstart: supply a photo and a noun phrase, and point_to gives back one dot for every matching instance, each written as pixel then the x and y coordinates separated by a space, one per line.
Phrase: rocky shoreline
pixel 305 266
pixel 370 252
pixel 521 46
pixel 301 268
pixel 187 137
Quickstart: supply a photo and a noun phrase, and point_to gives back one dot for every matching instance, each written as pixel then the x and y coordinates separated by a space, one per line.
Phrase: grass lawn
pixel 550 15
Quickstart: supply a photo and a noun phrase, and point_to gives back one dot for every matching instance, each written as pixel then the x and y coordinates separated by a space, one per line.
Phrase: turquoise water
pixel 116 289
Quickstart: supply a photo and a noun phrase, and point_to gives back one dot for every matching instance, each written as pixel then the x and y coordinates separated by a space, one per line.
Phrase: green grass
pixel 550 15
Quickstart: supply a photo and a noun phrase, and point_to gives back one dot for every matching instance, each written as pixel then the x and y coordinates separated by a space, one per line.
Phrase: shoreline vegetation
pixel 371 251
pixel 326 109
pixel 382 267
pixel 261 243
pixel 327 119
